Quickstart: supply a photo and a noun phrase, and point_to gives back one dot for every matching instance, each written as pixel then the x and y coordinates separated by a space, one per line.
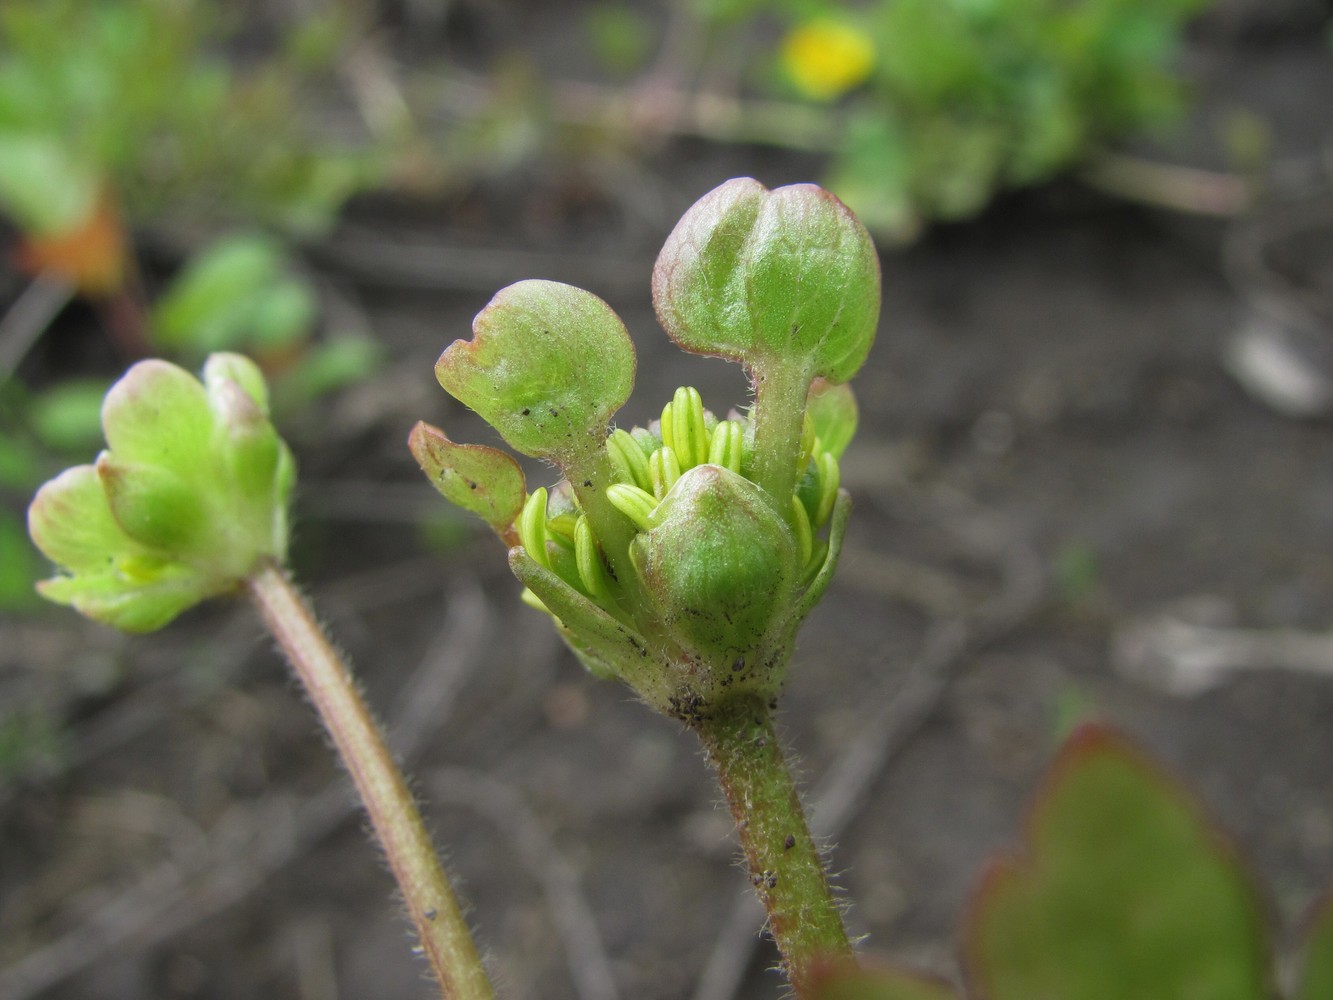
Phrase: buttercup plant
pixel 682 557
pixel 679 558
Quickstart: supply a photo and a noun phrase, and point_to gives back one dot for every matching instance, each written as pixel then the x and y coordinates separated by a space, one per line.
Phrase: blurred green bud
pixel 190 496
pixel 721 569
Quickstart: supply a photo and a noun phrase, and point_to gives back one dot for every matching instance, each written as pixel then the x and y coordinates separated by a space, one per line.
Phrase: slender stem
pixel 444 936
pixel 780 390
pixel 783 861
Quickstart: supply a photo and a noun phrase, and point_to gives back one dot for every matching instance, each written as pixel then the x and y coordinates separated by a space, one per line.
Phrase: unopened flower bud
pixel 719 564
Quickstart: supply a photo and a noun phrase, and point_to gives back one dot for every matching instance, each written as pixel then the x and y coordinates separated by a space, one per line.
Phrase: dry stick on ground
pixel 1172 654
pixel 27 319
pixel 252 841
pixel 904 706
pixel 505 808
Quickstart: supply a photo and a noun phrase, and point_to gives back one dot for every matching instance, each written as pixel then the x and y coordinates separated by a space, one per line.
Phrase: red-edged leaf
pixel 1121 889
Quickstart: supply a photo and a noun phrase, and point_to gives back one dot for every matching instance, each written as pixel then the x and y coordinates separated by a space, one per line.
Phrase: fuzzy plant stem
pixel 443 932
pixel 779 413
pixel 783 862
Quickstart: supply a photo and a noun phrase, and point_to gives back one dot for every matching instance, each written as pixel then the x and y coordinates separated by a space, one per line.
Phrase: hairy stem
pixel 783 861
pixel 444 936
pixel 779 413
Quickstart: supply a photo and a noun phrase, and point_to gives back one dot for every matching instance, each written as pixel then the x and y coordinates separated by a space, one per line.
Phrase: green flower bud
pixel 188 499
pixel 784 277
pixel 721 569
pixel 592 572
pixel 548 366
pixel 832 410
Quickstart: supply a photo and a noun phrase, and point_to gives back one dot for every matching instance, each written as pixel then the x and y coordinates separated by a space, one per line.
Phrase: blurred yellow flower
pixel 826 58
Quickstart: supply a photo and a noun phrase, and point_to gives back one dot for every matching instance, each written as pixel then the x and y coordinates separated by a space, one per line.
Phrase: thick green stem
pixel 780 391
pixel 784 864
pixel 445 939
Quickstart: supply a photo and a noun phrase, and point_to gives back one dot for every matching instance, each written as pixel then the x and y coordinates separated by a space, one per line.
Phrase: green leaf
pixel 622 38
pixel 784 277
pixel 548 366
pixel 1121 889
pixel 235 292
pixel 854 983
pixel 326 366
pixel 1316 981
pixel 481 480
pixel 19 463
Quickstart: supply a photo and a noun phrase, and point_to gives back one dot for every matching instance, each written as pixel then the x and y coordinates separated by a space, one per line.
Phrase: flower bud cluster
pixel 680 557
pixel 648 463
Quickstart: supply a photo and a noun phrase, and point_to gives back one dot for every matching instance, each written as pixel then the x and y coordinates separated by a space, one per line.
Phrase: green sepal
pixel 606 646
pixel 833 412
pixel 814 591
pixel 225 367
pixel 112 578
pixel 785 277
pixel 719 565
pixel 153 505
pixel 70 520
pixel 548 366
pixel 159 414
pixel 134 601
pixel 253 462
pixel 481 480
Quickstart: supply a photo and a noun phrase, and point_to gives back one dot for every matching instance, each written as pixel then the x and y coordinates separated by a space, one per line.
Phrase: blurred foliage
pixel 1122 887
pixel 238 294
pixel 133 100
pixel 967 97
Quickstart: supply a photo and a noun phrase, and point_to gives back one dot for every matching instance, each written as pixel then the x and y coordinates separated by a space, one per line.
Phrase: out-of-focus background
pixel 1094 475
